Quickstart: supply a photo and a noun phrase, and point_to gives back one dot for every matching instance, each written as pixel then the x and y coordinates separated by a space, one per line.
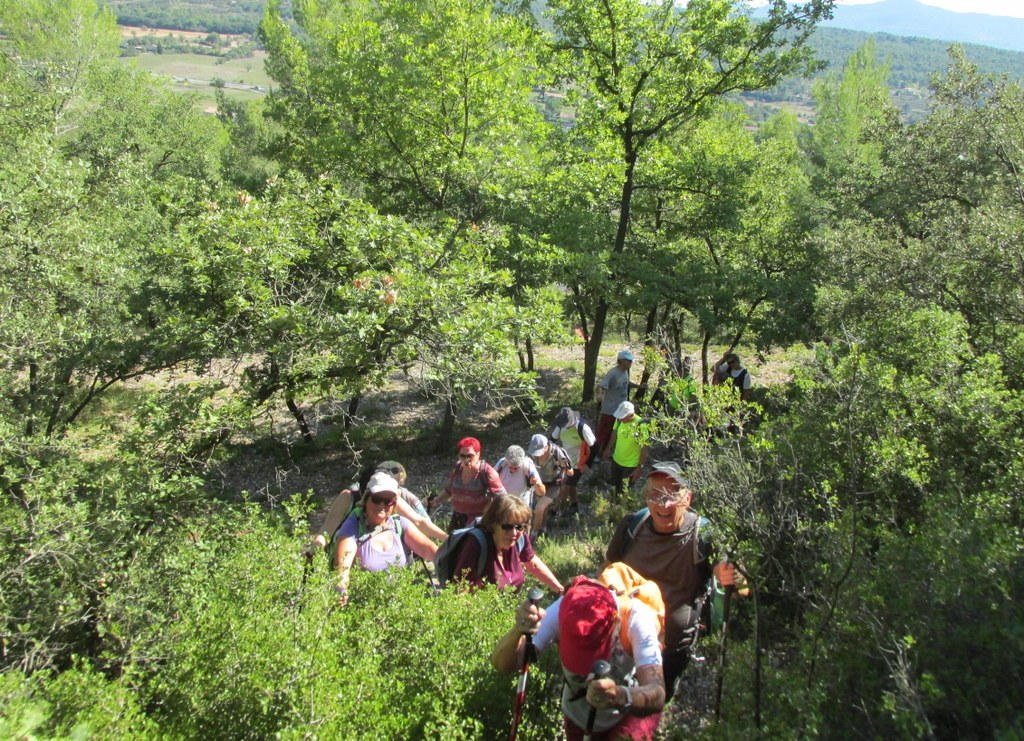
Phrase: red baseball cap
pixel 586 625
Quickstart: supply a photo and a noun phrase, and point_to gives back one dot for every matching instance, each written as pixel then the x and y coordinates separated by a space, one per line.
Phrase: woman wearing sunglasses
pixel 376 537
pixel 508 549
pixel 471 484
pixel 408 506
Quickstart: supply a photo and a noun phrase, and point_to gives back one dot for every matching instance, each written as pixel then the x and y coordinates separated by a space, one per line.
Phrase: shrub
pixel 251 647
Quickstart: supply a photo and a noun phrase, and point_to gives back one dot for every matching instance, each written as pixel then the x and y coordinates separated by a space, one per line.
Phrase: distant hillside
pixel 209 16
pixel 912 18
pixel 912 61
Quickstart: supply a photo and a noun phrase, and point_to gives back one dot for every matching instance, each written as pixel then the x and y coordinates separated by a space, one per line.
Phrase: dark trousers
pixel 603 433
pixel 620 479
pixel 674 663
pixel 458 520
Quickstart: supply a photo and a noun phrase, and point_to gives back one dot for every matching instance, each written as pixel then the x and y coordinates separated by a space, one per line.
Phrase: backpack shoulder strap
pixel 636 521
pixel 702 540
pixel 481 538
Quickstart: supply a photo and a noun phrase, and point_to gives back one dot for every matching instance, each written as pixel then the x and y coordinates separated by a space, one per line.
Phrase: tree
pixel 422 108
pixel 91 156
pixel 639 72
pixel 330 297
pixel 842 144
pixel 942 214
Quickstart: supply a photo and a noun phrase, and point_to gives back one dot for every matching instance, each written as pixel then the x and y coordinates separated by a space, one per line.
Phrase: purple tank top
pixel 368 555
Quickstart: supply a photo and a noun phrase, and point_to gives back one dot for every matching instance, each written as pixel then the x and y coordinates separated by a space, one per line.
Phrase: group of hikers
pixel 624 637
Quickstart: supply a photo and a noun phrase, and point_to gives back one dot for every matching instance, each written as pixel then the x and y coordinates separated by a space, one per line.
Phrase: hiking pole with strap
pixel 529 654
pixel 726 604
pixel 599 670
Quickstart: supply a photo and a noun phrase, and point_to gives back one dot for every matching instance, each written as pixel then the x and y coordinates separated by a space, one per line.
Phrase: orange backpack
pixel 628 585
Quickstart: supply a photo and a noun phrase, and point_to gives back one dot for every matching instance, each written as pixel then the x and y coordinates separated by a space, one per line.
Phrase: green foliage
pixel 257 648
pixel 941 221
pixel 423 107
pixel 237 16
pixel 640 76
pixel 79 703
pixel 92 159
pixel 868 531
pixel 335 296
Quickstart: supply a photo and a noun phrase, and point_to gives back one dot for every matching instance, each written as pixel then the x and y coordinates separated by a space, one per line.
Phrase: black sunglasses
pixel 382 501
pixel 508 526
pixel 466 456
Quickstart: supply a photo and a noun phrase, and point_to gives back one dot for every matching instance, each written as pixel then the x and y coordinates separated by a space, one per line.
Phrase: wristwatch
pixel 628 706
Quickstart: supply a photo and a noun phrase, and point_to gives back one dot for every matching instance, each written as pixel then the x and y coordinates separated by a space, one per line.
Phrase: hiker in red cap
pixel 590 624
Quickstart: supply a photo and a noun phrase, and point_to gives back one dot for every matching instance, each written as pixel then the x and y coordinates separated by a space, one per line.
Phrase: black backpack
pixel 444 559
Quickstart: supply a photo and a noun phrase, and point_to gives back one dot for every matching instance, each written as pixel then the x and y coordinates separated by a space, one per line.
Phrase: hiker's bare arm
pixel 441 498
pixel 344 556
pixel 647 697
pixel 336 514
pixel 420 544
pixel 426 526
pixel 543 574
pixel 508 652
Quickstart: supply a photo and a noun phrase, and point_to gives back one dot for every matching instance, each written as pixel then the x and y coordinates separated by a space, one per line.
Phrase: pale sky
pixel 1013 8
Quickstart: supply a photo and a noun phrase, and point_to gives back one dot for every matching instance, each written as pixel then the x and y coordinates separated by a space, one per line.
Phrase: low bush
pixel 246 643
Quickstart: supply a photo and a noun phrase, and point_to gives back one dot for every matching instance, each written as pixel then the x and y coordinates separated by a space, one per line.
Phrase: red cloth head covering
pixel 586 624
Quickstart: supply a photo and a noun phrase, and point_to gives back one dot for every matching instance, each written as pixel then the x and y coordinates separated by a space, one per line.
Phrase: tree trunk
pixel 446 435
pixel 529 354
pixel 592 350
pixel 704 357
pixel 652 323
pixel 677 337
pixel 353 407
pixel 300 418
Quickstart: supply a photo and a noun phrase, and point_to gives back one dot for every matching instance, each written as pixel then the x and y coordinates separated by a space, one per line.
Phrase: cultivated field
pixel 165 33
pixel 194 73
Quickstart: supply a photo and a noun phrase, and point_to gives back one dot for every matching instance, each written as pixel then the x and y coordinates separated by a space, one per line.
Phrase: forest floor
pixel 400 423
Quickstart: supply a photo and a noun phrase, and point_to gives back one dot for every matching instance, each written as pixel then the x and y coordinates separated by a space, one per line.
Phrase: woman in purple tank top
pixel 375 536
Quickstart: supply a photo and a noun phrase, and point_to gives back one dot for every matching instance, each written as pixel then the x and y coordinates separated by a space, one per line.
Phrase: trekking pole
pixel 726 603
pixel 529 654
pixel 599 670
pixel 430 577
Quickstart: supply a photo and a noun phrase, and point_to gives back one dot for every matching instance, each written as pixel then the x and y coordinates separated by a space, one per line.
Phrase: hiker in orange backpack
pixel 591 624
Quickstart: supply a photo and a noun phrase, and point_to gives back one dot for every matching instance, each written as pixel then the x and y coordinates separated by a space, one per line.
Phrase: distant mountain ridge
pixel 912 18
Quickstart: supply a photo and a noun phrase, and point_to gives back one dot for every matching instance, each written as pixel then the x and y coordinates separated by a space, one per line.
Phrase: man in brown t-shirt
pixel 667 547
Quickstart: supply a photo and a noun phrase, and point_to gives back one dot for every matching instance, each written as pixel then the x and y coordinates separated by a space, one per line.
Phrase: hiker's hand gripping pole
pixel 529 654
pixel 600 670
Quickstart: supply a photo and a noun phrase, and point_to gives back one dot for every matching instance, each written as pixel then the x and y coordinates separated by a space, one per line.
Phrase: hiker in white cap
pixel 554 465
pixel 627 446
